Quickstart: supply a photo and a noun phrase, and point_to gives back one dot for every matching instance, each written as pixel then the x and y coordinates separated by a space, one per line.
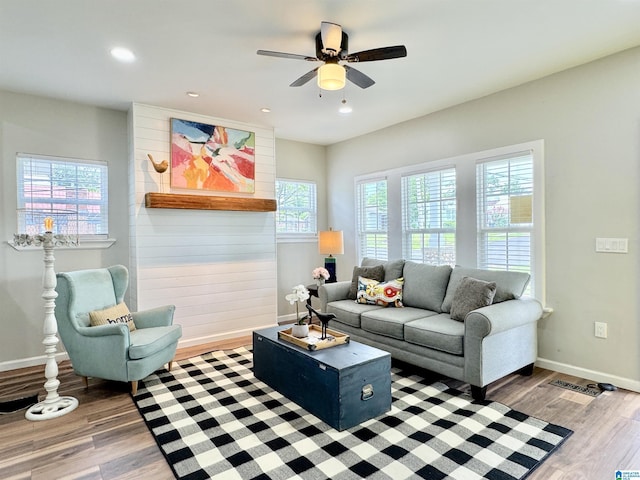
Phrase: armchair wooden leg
pixel 86 382
pixel 134 387
pixel 169 365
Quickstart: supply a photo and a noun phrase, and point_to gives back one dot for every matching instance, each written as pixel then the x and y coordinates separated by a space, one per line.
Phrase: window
pixel 505 216
pixel 429 217
pixel 60 185
pixel 482 210
pixel 372 219
pixel 297 210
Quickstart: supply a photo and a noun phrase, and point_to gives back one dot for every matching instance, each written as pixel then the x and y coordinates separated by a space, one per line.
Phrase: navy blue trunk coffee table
pixel 342 385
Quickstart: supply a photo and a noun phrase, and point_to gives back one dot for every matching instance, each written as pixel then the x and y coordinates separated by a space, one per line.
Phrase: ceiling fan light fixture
pixel 331 76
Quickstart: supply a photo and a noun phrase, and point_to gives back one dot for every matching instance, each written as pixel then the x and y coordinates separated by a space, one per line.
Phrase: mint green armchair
pixel 111 351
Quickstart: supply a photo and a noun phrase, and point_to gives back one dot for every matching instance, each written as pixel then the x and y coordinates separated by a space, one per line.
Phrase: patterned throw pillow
pixel 117 314
pixel 471 294
pixel 387 294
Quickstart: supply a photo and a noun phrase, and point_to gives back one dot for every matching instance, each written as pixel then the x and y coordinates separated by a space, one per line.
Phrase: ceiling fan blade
pixel 305 78
pixel 384 53
pixel 357 77
pixel 331 37
pixel 269 53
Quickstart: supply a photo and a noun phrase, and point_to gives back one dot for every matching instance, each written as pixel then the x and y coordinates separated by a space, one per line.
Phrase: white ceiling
pixel 458 50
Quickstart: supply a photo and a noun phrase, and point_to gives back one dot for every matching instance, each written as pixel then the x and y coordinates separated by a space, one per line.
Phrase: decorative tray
pixel 313 341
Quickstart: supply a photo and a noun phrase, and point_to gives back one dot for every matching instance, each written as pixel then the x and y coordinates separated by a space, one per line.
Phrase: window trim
pixel 466 218
pixel 85 241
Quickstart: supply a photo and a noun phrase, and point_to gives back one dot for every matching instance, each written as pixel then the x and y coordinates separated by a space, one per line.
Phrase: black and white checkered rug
pixel 213 419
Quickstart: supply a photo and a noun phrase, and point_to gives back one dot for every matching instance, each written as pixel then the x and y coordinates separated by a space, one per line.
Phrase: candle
pixel 48 224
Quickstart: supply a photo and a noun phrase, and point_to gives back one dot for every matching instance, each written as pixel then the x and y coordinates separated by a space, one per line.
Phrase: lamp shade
pixel 330 242
pixel 331 76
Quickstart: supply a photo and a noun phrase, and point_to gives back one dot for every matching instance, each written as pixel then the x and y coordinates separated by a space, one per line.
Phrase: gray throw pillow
pixel 471 294
pixel 374 273
pixel 509 285
pixel 392 268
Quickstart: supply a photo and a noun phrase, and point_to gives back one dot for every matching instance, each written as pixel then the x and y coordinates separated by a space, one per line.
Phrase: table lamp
pixel 330 242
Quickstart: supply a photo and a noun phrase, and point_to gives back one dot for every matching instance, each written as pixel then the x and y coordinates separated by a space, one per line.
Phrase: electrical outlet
pixel 600 330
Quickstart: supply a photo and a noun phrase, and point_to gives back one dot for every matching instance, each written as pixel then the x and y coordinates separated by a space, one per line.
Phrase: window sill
pixel 82 245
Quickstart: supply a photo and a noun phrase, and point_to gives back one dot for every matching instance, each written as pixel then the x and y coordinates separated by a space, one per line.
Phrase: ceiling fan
pixel 332 48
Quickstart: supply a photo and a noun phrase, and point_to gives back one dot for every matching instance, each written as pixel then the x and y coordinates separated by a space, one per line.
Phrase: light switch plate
pixel 612 245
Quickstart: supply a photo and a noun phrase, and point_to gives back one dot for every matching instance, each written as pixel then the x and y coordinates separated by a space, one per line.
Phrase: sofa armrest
pixel 331 292
pixel 500 339
pixel 502 316
pixel 115 329
pixel 155 317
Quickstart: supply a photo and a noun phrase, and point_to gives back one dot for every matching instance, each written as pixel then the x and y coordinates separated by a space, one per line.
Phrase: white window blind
pixel 429 217
pixel 297 207
pixel 75 191
pixel 505 188
pixel 372 219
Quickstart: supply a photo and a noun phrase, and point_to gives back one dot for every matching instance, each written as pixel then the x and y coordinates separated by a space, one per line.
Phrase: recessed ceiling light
pixel 193 94
pixel 123 54
pixel 265 110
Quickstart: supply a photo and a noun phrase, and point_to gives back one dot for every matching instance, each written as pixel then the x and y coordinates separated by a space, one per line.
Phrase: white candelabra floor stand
pixel 53 405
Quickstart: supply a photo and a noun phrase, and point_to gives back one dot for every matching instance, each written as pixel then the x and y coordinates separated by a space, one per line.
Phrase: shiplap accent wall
pixel 217 267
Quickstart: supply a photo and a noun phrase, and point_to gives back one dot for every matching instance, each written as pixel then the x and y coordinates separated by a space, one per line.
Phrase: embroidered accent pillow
pixel 471 294
pixel 117 314
pixel 385 294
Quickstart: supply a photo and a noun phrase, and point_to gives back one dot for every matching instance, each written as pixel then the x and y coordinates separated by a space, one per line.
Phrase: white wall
pixel 296 260
pixel 51 127
pixel 218 267
pixel 589 118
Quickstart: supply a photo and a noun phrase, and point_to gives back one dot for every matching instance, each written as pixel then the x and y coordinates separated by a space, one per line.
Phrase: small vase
pixel 320 281
pixel 300 331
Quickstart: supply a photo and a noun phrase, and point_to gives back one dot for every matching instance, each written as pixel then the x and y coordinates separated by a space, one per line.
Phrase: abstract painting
pixel 211 157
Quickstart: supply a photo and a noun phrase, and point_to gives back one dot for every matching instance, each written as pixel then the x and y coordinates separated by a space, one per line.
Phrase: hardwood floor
pixel 106 438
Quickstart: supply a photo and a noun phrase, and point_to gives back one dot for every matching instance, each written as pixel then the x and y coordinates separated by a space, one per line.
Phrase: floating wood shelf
pixel 208 202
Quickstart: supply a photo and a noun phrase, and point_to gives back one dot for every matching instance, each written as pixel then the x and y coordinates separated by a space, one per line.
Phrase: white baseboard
pixel 30 362
pixel 286 319
pixel 193 342
pixel 190 342
pixel 598 377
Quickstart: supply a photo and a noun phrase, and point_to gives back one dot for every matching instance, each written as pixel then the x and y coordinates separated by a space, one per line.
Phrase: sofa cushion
pixel 392 269
pixel 375 273
pixel 349 311
pixel 425 285
pixel 509 285
pixel 390 321
pixel 385 294
pixel 471 294
pixel 438 332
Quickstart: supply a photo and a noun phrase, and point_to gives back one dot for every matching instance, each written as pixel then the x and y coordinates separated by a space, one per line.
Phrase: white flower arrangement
pixel 299 294
pixel 320 272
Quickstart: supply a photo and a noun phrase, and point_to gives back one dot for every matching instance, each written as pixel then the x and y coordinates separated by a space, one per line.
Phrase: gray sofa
pixel 490 342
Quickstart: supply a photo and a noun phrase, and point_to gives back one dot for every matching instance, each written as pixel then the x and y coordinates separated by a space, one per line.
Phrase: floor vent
pixel 592 392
